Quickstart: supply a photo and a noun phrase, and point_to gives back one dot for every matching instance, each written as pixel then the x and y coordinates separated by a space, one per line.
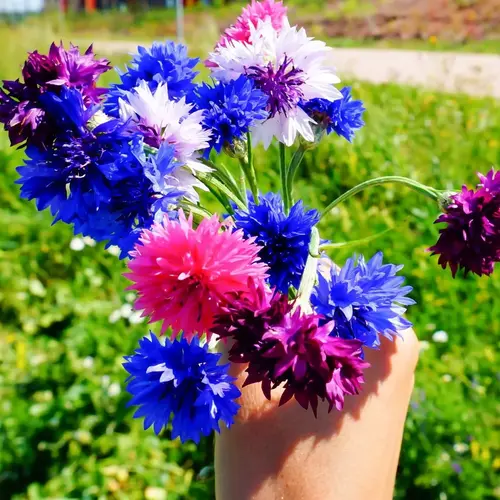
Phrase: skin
pixel 285 453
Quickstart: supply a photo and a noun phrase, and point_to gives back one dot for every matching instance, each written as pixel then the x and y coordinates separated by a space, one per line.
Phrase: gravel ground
pixel 473 74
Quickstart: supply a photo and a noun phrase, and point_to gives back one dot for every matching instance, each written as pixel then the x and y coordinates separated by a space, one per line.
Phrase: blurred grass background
pixel 66 319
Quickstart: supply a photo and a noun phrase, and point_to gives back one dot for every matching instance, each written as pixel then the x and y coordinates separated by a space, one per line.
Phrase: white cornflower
pixel 164 122
pixel 289 67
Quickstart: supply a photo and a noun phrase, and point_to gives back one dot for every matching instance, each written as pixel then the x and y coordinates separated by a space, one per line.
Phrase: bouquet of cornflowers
pixel 126 164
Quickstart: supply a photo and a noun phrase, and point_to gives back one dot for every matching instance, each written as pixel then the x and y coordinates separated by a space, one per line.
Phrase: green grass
pixel 64 429
pixel 432 45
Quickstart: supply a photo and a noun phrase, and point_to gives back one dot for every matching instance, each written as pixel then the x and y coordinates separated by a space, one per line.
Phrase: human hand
pixel 288 454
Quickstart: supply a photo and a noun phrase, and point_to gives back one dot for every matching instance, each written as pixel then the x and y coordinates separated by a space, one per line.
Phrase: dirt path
pixel 474 74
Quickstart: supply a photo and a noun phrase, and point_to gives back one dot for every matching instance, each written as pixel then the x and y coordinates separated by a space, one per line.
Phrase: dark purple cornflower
pixel 80 71
pixel 281 86
pixel 310 363
pixel 21 109
pixel 291 349
pixel 254 314
pixel 471 239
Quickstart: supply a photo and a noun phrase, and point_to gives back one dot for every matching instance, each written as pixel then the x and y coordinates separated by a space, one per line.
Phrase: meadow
pixel 66 320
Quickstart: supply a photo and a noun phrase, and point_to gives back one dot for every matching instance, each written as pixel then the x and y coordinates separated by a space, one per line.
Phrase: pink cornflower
pixel 183 275
pixel 270 10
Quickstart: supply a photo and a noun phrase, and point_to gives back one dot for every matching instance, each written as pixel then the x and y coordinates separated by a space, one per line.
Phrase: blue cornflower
pixel 284 238
pixel 181 380
pixel 140 201
pixel 67 111
pixel 230 109
pixel 161 63
pixel 364 298
pixel 75 175
pixel 100 181
pixel 343 116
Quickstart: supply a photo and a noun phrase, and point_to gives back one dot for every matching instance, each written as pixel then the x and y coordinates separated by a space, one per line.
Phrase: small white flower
pixel 83 436
pixel 136 318
pixel 96 281
pixel 88 362
pixel 90 242
pixel 423 345
pixel 115 316
pixel 105 380
pixel 461 448
pixel 154 493
pixel 114 389
pixel 36 288
pixel 114 250
pixel 38 359
pixel 440 337
pixel 445 457
pixel 126 310
pixel 77 244
pixel 130 297
pixel 446 378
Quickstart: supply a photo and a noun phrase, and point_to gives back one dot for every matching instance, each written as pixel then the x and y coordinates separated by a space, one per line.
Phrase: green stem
pixel 309 277
pixel 211 181
pixel 243 185
pixel 222 199
pixel 150 150
pixel 251 173
pixel 283 175
pixel 196 209
pixel 292 169
pixel 225 176
pixel 361 241
pixel 416 186
pixel 250 176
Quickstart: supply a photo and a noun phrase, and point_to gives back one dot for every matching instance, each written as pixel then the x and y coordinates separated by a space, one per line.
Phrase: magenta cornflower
pixel 471 238
pixel 256 12
pixel 183 275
